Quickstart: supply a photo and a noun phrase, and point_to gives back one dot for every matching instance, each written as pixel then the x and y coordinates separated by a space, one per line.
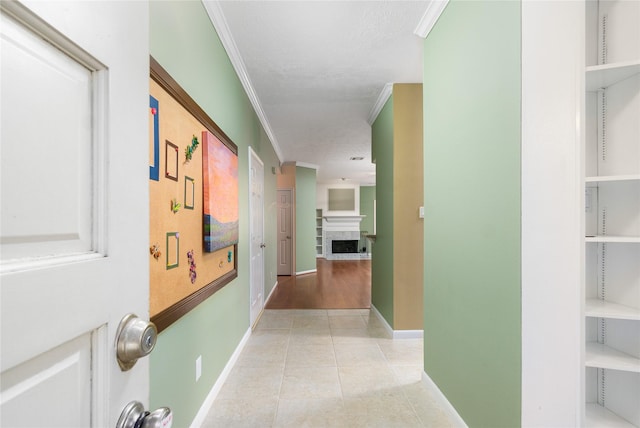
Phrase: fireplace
pixel 339 246
pixel 342 238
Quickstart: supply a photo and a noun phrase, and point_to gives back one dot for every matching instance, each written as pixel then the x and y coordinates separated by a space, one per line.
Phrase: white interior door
pixel 74 224
pixel 256 212
pixel 285 232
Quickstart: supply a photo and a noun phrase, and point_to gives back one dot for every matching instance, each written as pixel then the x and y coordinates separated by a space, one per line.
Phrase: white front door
pixel 256 213
pixel 74 213
pixel 285 232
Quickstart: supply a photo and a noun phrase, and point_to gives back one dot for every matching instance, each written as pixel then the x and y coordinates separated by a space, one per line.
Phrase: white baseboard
pixel 441 399
pixel 408 334
pixel 397 334
pixel 307 271
pixel 384 322
pixel 273 289
pixel 208 402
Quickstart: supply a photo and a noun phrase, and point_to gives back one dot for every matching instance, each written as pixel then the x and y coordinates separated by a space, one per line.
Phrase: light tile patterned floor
pixel 325 368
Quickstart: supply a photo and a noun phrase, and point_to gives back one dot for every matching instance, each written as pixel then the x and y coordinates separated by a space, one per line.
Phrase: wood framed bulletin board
pixel 193 196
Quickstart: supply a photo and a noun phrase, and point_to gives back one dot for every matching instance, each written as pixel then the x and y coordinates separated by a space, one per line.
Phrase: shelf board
pixel 614 239
pixel 604 178
pixel 602 356
pixel 603 309
pixel 599 416
pixel 603 76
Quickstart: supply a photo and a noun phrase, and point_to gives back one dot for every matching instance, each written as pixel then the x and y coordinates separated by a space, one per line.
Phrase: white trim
pixel 408 334
pixel 308 165
pixel 552 61
pixel 273 289
pixel 198 421
pixel 307 271
pixel 441 399
pixel 397 334
pixel 216 15
pixel 430 17
pixel 380 102
pixel 384 322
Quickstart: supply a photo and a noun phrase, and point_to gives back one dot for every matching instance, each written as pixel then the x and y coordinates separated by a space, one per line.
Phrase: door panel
pixel 285 232
pixel 59 147
pixel 73 234
pixel 59 379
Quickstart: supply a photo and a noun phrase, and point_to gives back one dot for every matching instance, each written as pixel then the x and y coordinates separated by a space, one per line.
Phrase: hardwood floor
pixel 338 284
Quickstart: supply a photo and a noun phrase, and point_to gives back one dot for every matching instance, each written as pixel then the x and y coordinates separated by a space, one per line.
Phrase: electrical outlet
pixel 198 367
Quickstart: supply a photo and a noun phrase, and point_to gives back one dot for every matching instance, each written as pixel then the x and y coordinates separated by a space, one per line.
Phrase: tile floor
pixel 325 368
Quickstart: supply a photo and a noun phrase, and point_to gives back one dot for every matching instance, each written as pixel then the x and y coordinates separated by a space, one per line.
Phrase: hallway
pixel 337 284
pixel 325 368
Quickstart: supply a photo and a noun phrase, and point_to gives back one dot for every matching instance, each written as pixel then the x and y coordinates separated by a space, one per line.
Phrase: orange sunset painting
pixel 220 193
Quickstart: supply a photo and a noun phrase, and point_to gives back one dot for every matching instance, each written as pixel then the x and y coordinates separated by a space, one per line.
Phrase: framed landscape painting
pixel 220 193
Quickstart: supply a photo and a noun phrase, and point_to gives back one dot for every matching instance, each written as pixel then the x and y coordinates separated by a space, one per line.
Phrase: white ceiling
pixel 318 68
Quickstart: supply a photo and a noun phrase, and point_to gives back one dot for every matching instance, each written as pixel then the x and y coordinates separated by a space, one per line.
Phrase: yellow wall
pixel 407 198
pixel 286 179
pixel 287 176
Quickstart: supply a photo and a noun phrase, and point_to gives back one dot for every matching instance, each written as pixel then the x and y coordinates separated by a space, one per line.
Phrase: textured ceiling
pixel 318 68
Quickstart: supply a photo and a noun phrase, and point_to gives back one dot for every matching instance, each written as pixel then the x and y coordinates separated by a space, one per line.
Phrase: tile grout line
pixel 284 369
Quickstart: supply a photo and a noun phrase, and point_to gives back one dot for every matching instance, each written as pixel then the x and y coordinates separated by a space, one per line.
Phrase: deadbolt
pixel 134 416
pixel 135 339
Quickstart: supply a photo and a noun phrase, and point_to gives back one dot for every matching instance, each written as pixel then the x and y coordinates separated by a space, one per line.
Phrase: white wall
pixel 552 212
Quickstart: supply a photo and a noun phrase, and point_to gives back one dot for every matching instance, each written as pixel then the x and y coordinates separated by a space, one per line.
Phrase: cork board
pixel 182 273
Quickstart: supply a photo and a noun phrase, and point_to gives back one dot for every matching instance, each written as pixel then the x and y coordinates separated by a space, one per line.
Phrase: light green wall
pixel 472 331
pixel 367 196
pixel 184 42
pixel 305 219
pixel 382 253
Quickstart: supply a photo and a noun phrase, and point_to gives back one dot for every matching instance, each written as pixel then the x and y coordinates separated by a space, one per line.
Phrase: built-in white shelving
pixel 602 356
pixel 597 308
pixel 603 76
pixel 319 234
pixel 612 214
pixel 614 239
pixel 604 179
pixel 598 416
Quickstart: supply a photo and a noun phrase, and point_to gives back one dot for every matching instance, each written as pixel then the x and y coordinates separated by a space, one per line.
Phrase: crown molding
pixel 216 15
pixel 381 101
pixel 308 165
pixel 430 17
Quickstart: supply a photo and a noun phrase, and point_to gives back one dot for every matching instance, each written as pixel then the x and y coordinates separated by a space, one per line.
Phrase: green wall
pixel 185 43
pixel 472 256
pixel 367 196
pixel 382 254
pixel 305 219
